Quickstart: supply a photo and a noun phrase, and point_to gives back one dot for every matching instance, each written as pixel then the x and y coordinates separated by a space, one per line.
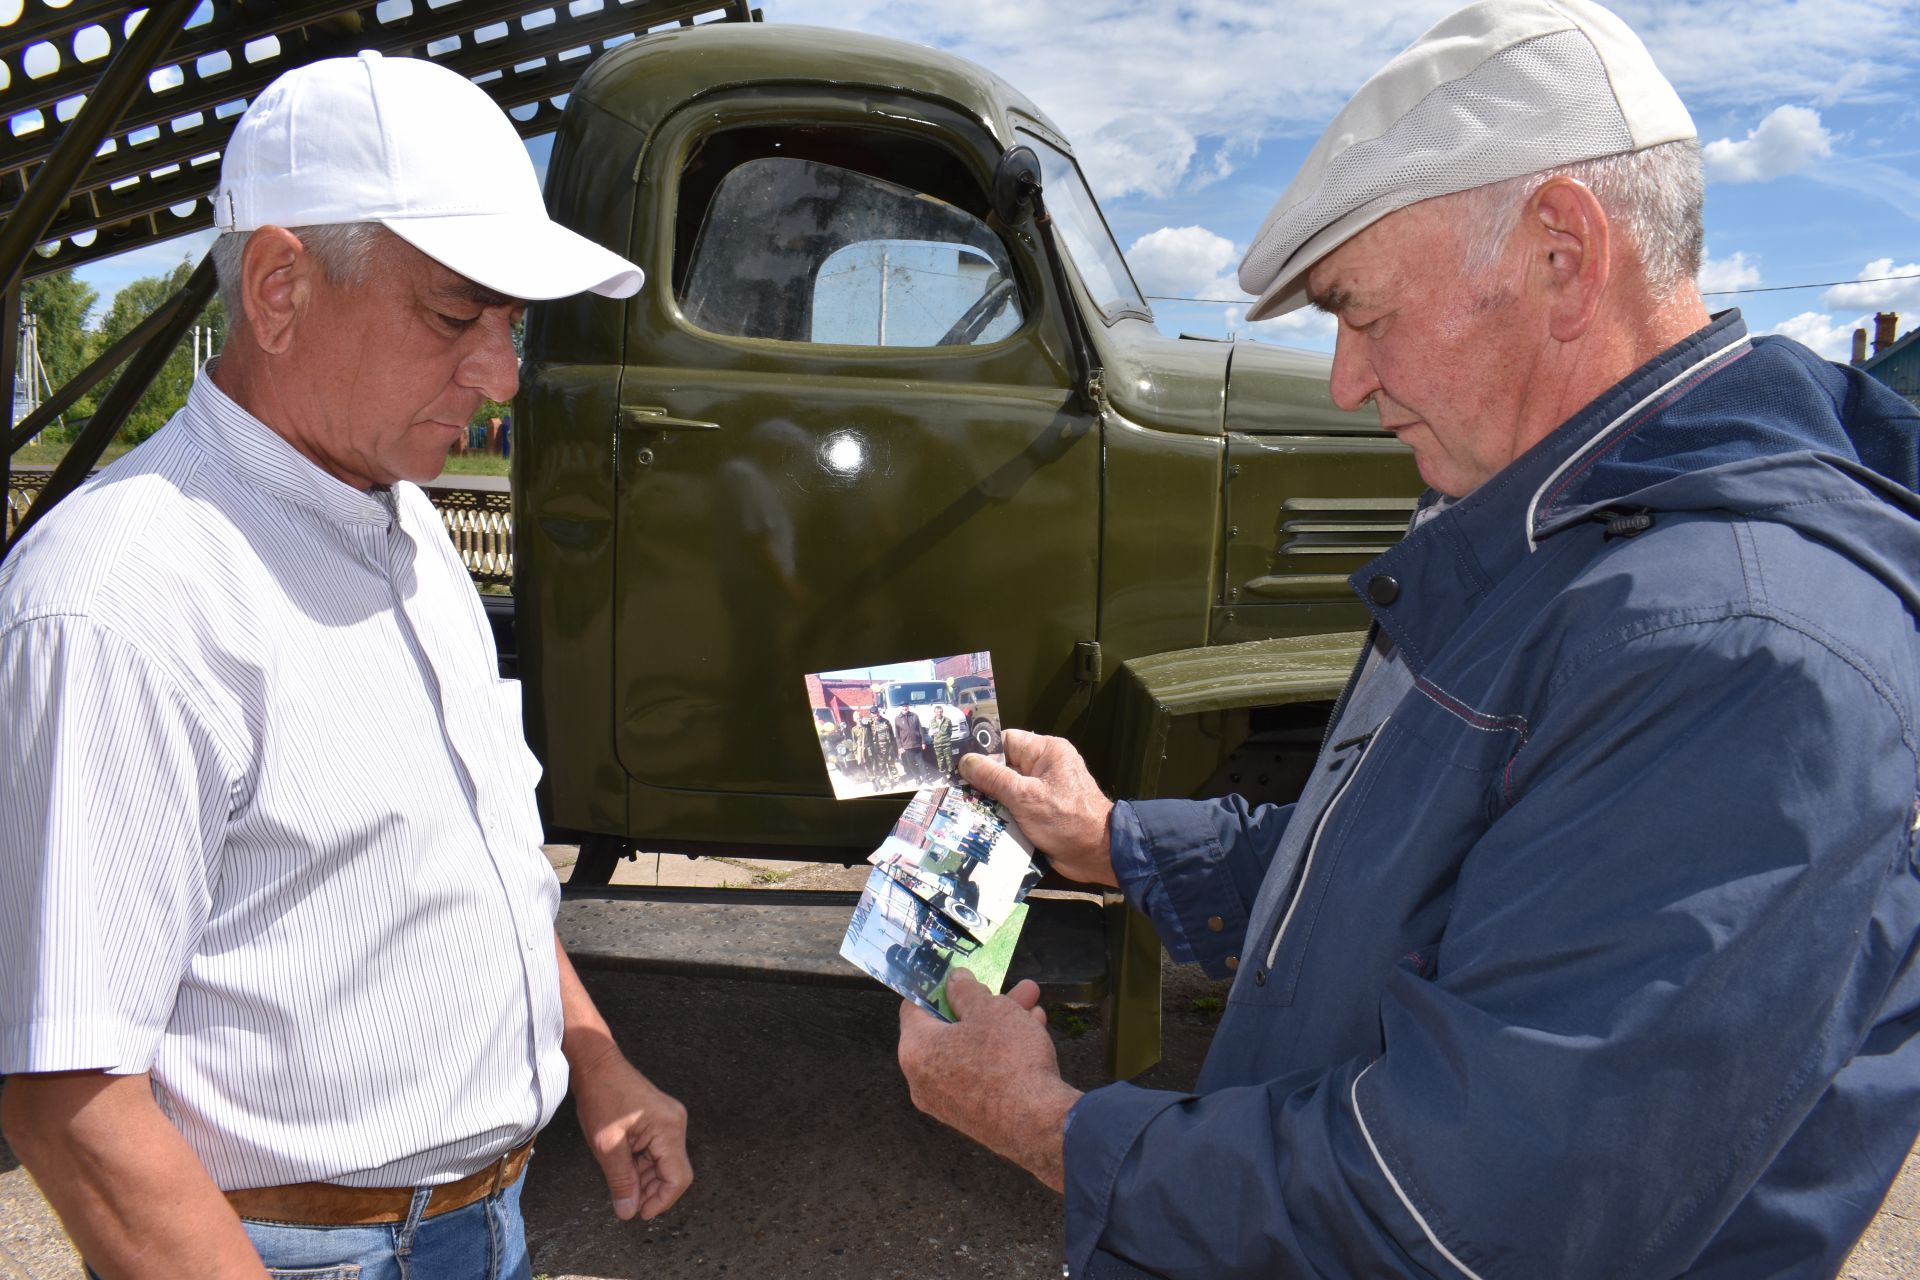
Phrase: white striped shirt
pixel 267 826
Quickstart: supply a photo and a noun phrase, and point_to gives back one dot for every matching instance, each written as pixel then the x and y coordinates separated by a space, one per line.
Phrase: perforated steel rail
pixel 479 523
pixel 113 119
pixel 152 176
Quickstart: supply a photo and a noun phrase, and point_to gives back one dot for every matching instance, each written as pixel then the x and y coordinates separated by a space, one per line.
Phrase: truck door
pixel 846 439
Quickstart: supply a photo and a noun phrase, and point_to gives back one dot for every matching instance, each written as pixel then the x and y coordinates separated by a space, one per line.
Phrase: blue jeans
pixel 485 1240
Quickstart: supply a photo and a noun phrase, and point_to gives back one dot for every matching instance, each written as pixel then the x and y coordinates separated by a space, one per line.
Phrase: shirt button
pixel 1233 962
pixel 1216 924
pixel 1259 977
pixel 1383 589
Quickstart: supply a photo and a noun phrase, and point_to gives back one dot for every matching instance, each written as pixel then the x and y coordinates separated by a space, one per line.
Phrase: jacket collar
pixel 1450 562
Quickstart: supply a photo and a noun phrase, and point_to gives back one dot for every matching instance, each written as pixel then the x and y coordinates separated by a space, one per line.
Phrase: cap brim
pixel 534 258
pixel 1288 289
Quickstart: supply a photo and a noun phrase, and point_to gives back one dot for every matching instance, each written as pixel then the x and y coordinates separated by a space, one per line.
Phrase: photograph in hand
pixel 958 851
pixel 893 728
pixel 910 947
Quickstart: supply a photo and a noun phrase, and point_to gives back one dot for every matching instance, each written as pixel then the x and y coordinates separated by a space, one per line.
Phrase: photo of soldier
pixel 940 731
pixel 910 737
pixel 834 745
pixel 884 765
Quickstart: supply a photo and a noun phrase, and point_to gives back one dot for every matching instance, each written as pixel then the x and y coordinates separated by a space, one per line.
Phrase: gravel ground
pixel 810 1160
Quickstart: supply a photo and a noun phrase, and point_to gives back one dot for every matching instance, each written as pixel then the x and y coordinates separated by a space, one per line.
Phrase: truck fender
pixel 1155 694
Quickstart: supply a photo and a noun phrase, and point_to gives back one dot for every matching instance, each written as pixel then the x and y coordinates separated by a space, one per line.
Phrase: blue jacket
pixel 1599 947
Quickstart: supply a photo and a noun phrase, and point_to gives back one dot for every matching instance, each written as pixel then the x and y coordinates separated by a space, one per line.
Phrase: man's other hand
pixel 1046 786
pixel 637 1133
pixel 992 1074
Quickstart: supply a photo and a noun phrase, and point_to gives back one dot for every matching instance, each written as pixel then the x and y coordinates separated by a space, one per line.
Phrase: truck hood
pixel 1202 386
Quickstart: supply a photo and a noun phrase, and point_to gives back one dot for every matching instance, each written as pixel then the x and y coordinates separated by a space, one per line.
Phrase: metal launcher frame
pixel 116 118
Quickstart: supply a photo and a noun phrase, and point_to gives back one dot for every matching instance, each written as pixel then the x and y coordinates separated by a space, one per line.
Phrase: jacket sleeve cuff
pixel 1208 858
pixel 1139 876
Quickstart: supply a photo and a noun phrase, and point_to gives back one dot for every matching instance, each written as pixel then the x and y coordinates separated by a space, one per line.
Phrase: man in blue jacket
pixel 1590 947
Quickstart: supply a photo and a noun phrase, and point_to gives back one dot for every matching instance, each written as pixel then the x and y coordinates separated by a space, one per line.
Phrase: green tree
pixel 61 304
pixel 168 392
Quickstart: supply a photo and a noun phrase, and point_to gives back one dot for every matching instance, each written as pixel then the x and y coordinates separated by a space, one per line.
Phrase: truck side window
pixel 803 251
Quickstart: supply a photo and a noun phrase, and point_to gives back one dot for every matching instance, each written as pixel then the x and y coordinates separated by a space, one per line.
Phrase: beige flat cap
pixel 1494 91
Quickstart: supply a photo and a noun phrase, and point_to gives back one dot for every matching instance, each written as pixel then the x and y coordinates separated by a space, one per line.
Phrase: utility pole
pixel 202 346
pixel 30 377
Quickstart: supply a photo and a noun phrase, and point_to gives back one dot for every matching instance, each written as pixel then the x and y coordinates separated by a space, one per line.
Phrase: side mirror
pixel 1016 180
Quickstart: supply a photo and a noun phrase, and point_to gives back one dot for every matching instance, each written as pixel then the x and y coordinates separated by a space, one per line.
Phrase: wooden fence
pixel 480 523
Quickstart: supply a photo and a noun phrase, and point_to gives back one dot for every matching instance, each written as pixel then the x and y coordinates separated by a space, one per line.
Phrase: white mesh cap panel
pixel 1491 124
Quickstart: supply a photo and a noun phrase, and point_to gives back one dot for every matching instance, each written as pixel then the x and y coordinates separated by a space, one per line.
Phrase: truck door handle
pixel 646 417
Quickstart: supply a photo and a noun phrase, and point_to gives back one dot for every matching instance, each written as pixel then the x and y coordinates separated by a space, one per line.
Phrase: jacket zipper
pixel 1346 690
pixel 1313 844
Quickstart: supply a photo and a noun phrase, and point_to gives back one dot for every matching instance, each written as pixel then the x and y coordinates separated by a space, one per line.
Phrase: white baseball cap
pixel 1497 90
pixel 424 152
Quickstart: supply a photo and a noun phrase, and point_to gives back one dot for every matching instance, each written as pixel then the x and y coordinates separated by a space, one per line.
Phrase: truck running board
pixel 793 935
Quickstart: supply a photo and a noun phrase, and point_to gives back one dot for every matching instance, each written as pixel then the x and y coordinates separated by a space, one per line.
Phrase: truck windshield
pixel 1084 232
pixel 902 695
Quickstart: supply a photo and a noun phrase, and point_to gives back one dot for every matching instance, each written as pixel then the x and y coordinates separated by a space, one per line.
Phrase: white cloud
pixel 1135 85
pixel 1185 262
pixel 1888 186
pixel 1728 53
pixel 1818 330
pixel 1305 327
pixel 1136 153
pixel 1881 294
pixel 1732 272
pixel 1787 140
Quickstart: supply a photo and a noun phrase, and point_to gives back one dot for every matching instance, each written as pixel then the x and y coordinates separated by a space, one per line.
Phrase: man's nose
pixel 1353 381
pixel 493 367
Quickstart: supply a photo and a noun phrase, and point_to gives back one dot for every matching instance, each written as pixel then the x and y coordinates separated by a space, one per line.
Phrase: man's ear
pixel 1571 244
pixel 275 285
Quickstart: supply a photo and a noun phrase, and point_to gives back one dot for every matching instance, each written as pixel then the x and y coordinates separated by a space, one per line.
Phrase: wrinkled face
pixel 399 363
pixel 1442 358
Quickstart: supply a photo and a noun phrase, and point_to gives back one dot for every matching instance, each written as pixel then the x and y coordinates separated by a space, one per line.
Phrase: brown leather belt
pixel 330 1205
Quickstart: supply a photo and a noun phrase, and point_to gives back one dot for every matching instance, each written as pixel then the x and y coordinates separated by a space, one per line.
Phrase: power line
pixel 1827 284
pixel 1705 293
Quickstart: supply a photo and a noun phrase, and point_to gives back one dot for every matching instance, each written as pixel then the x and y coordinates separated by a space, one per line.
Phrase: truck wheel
pixel 986 736
pixel 599 855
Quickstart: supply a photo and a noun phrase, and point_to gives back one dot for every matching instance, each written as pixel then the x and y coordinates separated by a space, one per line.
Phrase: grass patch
pixel 760 876
pixel 1069 1023
pixel 475 464
pixel 1210 1005
pixel 47 455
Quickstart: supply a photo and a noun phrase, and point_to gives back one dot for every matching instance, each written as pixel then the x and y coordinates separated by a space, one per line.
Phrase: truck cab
pixel 862 413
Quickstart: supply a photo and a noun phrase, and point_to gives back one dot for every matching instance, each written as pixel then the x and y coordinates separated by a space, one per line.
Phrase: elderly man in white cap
pixel 1589 949
pixel 278 973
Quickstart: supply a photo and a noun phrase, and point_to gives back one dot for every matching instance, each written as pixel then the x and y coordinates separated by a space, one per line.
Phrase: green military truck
pixel 890 393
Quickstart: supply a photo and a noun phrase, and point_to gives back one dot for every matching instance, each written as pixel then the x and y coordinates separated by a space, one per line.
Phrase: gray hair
pixel 343 250
pixel 1652 198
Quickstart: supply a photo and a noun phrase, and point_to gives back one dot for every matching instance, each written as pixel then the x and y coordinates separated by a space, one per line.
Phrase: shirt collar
pixel 263 458
pixel 1449 562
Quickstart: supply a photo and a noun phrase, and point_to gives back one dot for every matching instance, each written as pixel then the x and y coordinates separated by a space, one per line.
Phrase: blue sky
pixel 1189 120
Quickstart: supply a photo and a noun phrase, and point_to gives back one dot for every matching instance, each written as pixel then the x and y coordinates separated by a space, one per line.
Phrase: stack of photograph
pixel 950 881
